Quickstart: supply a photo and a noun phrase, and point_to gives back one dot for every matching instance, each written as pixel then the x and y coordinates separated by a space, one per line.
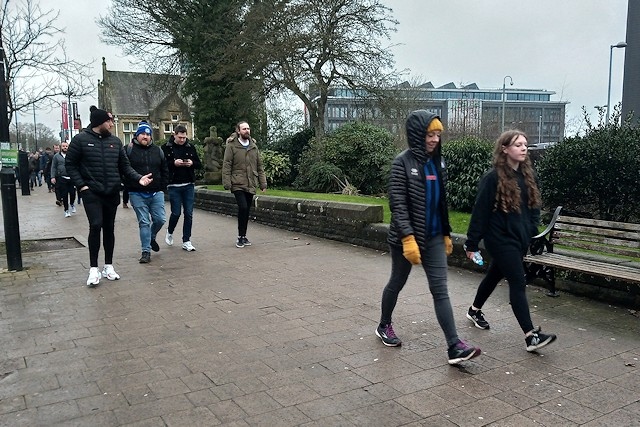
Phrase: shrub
pixel 276 167
pixel 467 159
pixel 595 175
pixel 293 147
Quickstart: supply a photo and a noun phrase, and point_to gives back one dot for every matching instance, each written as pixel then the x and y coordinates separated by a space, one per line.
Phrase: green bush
pixel 595 175
pixel 360 152
pixel 322 177
pixel 276 167
pixel 293 147
pixel 467 160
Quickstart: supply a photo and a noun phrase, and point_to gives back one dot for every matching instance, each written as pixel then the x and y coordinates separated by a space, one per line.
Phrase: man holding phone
pixel 182 161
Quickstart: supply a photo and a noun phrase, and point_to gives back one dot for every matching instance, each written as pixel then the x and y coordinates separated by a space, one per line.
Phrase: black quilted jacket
pixel 407 191
pixel 98 162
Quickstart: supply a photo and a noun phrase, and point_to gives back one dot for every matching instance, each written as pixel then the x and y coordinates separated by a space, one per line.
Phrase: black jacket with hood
pixel 98 161
pixel 407 184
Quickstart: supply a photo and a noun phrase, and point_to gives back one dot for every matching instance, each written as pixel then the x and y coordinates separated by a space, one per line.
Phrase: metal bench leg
pixel 551 279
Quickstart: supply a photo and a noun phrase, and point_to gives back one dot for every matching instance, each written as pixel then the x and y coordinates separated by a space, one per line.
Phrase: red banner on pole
pixel 65 115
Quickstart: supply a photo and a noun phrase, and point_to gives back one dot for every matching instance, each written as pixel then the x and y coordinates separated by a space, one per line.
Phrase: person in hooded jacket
pixel 96 161
pixel 147 201
pixel 506 216
pixel 419 232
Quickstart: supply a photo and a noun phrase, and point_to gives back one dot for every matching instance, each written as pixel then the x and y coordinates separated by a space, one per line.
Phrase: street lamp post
pixel 504 85
pixel 619 45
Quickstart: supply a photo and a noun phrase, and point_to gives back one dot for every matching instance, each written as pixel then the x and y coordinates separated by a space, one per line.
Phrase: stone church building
pixel 133 96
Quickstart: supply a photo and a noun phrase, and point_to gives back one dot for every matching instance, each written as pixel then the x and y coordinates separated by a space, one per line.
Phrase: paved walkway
pixel 281 334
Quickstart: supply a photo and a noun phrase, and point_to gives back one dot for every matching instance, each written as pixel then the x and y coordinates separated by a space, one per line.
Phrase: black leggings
pixel 243 199
pixel 507 265
pixel 101 213
pixel 67 192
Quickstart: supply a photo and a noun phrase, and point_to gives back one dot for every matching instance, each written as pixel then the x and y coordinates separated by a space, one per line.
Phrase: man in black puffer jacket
pixel 147 202
pixel 96 160
pixel 420 232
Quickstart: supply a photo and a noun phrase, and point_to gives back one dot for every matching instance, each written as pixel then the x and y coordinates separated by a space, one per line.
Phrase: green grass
pixel 459 221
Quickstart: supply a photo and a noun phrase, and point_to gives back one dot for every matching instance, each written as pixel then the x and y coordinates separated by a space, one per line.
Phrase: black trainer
pixel 154 245
pixel 145 258
pixel 461 351
pixel 240 242
pixel 388 336
pixel 477 317
pixel 538 340
pixel 246 241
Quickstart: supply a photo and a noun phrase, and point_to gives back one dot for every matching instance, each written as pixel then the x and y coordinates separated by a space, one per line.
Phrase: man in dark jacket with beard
pixel 147 202
pixel 96 161
pixel 419 232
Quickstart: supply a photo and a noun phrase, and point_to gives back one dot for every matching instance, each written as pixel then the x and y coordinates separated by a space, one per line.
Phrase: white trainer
pixel 73 208
pixel 94 277
pixel 67 214
pixel 187 246
pixel 109 272
pixel 168 238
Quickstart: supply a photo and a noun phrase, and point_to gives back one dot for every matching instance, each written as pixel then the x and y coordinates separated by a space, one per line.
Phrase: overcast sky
pixel 561 46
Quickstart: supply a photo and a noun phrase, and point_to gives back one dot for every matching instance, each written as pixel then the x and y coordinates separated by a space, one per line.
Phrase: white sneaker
pixel 67 214
pixel 109 272
pixel 94 277
pixel 73 208
pixel 187 246
pixel 168 238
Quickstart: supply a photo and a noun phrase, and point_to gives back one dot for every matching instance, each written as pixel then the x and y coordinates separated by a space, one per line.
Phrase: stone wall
pixel 362 225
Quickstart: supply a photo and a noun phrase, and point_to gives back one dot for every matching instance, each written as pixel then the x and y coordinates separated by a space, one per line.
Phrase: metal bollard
pixel 10 216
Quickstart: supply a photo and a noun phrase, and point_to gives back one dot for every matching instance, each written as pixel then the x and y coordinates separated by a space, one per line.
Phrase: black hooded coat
pixel 407 184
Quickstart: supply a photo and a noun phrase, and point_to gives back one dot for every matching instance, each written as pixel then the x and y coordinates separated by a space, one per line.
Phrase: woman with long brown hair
pixel 506 215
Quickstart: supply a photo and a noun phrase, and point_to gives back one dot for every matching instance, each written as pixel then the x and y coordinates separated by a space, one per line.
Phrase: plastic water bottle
pixel 477 258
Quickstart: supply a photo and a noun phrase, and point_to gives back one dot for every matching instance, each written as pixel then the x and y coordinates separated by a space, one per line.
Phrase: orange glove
pixel 410 249
pixel 448 245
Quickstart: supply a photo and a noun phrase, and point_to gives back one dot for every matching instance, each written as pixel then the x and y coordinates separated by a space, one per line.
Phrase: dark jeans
pixel 101 213
pixel 182 197
pixel 507 265
pixel 434 263
pixel 67 191
pixel 243 199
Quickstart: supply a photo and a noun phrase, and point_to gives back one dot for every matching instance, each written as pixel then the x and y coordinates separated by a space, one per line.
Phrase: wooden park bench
pixel 569 243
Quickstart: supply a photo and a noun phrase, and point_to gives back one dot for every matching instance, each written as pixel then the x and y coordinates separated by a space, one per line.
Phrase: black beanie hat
pixel 98 116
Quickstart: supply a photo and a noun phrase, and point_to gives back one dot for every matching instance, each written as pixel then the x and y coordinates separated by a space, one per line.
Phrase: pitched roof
pixel 132 93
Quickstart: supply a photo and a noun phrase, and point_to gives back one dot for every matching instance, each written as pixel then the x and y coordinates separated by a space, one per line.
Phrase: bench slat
pixel 586 266
pixel 583 229
pixel 599 223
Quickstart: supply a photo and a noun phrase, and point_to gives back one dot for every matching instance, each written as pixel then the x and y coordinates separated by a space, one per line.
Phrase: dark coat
pixel 242 167
pixel 99 162
pixel 148 159
pixel 173 151
pixel 501 231
pixel 407 184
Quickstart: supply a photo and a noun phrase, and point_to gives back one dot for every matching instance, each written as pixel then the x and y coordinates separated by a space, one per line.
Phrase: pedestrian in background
pixel 182 161
pixel 61 178
pixel 506 216
pixel 419 233
pixel 242 174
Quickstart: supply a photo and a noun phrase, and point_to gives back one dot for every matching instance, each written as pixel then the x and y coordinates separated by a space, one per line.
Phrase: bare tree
pixel 308 46
pixel 37 68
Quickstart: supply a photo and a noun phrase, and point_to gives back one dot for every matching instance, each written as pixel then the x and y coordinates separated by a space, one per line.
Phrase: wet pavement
pixel 281 333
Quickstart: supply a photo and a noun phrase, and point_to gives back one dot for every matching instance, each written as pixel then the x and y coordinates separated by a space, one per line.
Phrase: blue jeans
pixel 182 197
pixel 151 216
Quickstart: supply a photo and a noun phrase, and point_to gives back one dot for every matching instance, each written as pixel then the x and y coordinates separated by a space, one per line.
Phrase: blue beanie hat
pixel 143 127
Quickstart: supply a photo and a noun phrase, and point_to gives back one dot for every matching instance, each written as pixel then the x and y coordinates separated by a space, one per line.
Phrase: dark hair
pixel 508 192
pixel 239 123
pixel 179 129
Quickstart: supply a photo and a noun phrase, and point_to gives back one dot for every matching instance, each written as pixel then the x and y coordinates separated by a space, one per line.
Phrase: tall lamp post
pixel 504 86
pixel 619 45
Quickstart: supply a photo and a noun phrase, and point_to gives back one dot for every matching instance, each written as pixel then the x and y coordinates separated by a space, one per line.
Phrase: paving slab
pixel 281 333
